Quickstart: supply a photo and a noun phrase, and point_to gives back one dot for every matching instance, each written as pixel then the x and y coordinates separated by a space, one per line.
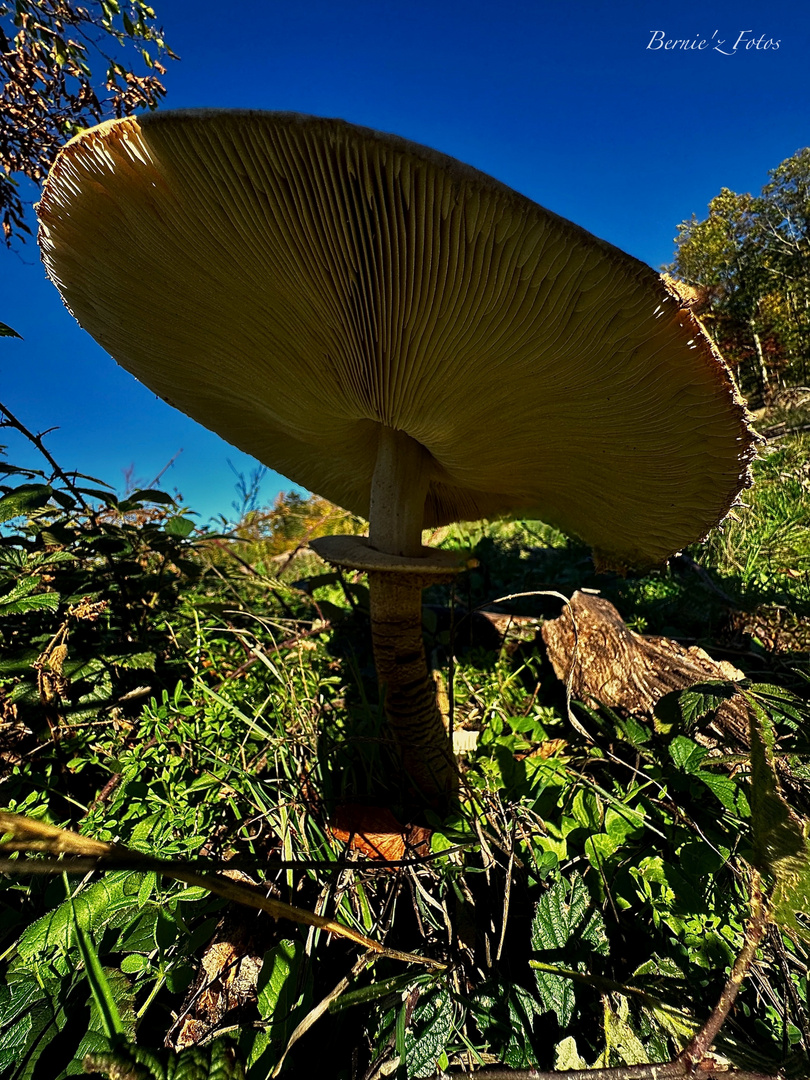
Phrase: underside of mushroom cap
pixel 296 284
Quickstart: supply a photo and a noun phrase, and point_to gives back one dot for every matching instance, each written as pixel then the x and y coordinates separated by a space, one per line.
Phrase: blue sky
pixel 567 102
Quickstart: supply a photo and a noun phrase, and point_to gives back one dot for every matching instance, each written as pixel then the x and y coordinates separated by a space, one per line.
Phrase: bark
pixel 614 666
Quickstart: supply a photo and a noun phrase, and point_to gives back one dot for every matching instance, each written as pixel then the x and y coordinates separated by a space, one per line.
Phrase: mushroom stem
pixel 395 600
pixel 398 490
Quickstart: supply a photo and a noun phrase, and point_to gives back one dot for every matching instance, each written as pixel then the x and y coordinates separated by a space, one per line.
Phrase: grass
pixel 589 896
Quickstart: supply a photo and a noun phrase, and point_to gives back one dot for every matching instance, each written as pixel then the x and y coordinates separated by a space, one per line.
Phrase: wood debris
pixel 615 666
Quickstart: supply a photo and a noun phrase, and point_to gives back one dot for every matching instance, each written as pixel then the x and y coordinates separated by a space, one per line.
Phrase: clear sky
pixel 576 104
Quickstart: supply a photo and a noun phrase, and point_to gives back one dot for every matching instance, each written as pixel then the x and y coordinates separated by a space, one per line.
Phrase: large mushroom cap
pixel 293 283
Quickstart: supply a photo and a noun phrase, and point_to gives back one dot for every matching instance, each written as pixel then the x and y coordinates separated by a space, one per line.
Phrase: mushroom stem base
pixel 408 689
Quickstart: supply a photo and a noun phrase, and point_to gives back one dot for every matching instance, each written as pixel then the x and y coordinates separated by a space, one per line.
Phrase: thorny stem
pixel 40 445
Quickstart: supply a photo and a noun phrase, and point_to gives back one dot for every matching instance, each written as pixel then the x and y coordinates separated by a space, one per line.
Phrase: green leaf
pixel 723 787
pixel 567 1057
pixel 557 995
pixel 281 1004
pixel 32 1014
pixel 619 1035
pixel 96 906
pixel 107 497
pixel 22 500
pixel 134 963
pixel 276 984
pixel 147 886
pixel 599 847
pixel 686 754
pixel 522 1008
pixel 22 598
pixel 428 1032
pixel 67 502
pixel 620 825
pixel 704 698
pixel 179 526
pixel 780 702
pixel 148 495
pixel 382 988
pixel 192 894
pixel 57 534
pixel 689 757
pixel 6 331
pixel 688 706
pixel 136 661
pixel 558 913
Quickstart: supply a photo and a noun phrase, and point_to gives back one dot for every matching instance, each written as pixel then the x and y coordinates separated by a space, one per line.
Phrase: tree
pixel 50 55
pixel 750 259
pixel 786 222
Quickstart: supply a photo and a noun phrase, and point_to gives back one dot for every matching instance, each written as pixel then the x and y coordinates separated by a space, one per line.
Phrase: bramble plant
pixel 82 574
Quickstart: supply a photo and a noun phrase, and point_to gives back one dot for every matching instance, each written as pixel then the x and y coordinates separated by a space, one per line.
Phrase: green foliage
pixel 750 257
pixel 590 893
pixel 86 592
pixel 763 551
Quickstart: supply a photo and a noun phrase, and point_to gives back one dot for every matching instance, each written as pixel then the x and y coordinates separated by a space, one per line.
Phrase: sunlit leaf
pixel 780 837
pixel 23 500
pixel 427 1034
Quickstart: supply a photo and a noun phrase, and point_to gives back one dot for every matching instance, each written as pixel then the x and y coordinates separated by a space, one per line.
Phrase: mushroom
pixel 404 335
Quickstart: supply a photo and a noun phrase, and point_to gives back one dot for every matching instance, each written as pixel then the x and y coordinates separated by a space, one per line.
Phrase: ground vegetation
pixel 205 700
